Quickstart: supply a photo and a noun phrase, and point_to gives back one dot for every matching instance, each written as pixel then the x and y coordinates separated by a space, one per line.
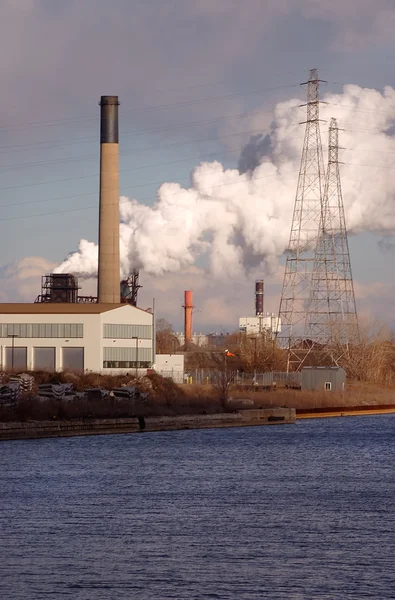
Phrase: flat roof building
pixel 328 379
pixel 103 338
pixel 261 324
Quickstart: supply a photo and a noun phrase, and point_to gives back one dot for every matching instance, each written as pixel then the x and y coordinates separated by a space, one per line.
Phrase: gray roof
pixel 56 308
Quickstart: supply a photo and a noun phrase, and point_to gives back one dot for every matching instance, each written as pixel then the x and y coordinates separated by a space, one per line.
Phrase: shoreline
pixel 19 430
pixel 361 411
pixel 81 427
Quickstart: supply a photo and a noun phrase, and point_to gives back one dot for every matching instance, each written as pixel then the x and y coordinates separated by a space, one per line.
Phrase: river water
pixel 302 511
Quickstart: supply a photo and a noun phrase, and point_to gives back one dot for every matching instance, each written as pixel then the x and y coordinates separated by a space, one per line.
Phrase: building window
pixel 127 332
pixel 128 353
pixel 42 330
pixel 16 358
pixel 44 359
pixel 328 386
pixel 73 359
pixel 125 364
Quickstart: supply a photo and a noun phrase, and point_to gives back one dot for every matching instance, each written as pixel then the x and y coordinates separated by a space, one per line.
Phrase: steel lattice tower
pixel 307 215
pixel 332 321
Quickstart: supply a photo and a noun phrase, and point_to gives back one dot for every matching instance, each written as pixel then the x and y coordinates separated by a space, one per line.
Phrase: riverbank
pixel 243 418
pixel 344 412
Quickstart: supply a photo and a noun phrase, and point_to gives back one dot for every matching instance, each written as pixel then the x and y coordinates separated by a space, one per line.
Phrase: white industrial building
pixel 198 339
pixel 171 366
pixel 103 338
pixel 260 324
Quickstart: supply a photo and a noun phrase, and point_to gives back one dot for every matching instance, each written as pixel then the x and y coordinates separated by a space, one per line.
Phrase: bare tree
pixel 223 376
pixel 166 340
pixel 260 353
pixel 371 356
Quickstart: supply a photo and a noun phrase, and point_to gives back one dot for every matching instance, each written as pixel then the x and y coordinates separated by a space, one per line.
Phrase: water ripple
pixel 287 512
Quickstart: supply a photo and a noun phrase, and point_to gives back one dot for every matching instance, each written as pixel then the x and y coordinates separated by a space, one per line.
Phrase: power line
pixel 137 151
pixel 161 129
pixel 140 109
pixel 121 171
pixel 151 166
pixel 142 131
pixel 370 166
pixel 247 180
pixel 357 109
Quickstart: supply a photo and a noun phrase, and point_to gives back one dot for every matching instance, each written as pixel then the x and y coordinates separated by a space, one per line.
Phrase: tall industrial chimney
pixel 188 307
pixel 108 290
pixel 259 295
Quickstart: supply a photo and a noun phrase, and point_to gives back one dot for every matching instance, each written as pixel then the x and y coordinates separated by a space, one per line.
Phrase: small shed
pixel 327 379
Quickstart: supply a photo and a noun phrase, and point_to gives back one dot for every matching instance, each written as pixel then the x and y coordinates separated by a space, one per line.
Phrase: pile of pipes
pixel 56 390
pixel 9 393
pixel 130 393
pixel 95 394
pixel 25 381
pixel 17 387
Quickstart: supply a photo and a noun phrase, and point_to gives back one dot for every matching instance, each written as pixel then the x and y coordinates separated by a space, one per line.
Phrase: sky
pixel 196 81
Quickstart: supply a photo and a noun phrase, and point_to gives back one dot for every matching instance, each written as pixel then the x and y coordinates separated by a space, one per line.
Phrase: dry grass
pixel 167 398
pixel 356 394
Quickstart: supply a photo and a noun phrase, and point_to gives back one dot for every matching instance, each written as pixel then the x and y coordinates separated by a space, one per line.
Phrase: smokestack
pixel 259 297
pixel 108 290
pixel 188 307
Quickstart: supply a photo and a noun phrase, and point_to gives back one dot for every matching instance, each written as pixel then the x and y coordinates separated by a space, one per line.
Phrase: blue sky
pixel 185 72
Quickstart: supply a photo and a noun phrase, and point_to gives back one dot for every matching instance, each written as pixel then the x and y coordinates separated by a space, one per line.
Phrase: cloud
pixel 155 52
pixel 218 304
pixel 375 300
pixel 238 221
pixel 20 281
pixel 387 244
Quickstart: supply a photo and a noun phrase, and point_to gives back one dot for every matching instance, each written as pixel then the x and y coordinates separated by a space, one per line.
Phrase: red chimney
pixel 188 307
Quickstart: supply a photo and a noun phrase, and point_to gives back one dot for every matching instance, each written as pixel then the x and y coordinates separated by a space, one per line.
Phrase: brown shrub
pixel 166 389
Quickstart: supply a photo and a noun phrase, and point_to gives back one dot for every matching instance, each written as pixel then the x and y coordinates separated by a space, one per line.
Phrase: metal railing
pixel 176 376
pixel 272 378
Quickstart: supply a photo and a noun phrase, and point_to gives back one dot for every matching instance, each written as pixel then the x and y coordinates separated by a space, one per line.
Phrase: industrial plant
pixel 266 324
pixel 108 333
pixel 63 330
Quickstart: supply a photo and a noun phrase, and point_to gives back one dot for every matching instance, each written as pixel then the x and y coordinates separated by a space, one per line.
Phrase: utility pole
pixel 12 336
pixel 305 226
pixel 137 355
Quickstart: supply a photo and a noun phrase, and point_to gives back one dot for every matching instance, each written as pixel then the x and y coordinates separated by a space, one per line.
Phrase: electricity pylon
pixel 332 321
pixel 307 215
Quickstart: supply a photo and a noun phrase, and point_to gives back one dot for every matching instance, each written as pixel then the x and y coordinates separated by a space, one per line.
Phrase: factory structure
pixel 266 324
pixel 63 330
pixel 108 333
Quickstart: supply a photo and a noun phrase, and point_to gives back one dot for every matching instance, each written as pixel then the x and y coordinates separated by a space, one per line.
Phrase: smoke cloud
pixel 234 220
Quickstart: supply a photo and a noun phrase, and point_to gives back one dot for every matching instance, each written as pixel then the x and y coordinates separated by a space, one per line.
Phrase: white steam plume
pixel 239 219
